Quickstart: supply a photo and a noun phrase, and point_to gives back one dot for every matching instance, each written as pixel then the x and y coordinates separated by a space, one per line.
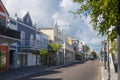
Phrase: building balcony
pixel 29 45
pixel 8 35
pixel 65 45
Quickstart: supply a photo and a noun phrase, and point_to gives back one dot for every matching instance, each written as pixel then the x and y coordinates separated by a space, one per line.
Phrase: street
pixel 88 70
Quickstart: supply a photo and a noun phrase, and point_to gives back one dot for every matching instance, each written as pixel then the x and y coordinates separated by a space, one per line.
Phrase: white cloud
pixel 81 27
pixel 44 12
pixel 41 11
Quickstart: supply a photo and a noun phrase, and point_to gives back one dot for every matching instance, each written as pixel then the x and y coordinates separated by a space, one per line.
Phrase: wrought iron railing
pixel 30 43
pixel 5 31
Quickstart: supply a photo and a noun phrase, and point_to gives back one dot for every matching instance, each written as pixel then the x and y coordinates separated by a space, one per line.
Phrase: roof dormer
pixel 27 19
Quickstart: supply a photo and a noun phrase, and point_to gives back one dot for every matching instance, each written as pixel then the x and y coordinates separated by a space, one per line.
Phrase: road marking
pixel 99 73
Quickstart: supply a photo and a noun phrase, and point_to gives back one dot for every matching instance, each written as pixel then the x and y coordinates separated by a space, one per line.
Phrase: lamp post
pixel 118 39
pixel 105 52
pixel 108 58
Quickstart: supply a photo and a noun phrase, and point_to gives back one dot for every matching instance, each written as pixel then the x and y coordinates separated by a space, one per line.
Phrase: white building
pixel 65 54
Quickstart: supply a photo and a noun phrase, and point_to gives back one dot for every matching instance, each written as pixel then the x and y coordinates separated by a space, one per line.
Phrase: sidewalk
pixel 104 73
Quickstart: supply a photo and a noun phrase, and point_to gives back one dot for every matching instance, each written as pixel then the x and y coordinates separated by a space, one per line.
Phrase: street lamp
pixel 108 55
pixel 105 52
pixel 84 50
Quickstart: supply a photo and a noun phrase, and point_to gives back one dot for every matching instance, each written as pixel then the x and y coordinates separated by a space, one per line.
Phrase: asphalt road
pixel 88 70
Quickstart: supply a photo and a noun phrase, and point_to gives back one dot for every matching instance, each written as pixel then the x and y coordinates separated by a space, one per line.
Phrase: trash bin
pixel 116 67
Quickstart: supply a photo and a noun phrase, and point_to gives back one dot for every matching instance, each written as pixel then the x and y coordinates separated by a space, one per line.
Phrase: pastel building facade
pixel 66 53
pixel 7 36
pixel 31 41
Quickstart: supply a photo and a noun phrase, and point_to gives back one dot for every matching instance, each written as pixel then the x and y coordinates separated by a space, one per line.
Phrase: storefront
pixel 3 58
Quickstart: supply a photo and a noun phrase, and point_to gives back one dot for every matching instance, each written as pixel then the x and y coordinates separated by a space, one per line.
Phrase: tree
pixel 113 47
pixel 43 54
pixel 87 48
pixel 55 46
pixel 103 13
pixel 94 54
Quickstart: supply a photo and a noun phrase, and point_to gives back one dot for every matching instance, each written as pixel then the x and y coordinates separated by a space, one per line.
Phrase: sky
pixel 45 12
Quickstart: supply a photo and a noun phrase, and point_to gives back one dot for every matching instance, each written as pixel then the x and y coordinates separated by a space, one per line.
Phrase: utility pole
pixel 105 53
pixel 108 58
pixel 118 39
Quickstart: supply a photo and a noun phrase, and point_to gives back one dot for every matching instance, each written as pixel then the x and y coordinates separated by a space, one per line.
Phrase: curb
pixel 99 73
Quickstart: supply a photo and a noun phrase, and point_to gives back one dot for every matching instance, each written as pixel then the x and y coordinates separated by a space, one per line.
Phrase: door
pixel 3 58
pixel 11 58
pixel 22 60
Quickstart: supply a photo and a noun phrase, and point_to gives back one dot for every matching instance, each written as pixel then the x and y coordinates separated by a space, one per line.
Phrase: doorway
pixel 11 58
pixel 3 58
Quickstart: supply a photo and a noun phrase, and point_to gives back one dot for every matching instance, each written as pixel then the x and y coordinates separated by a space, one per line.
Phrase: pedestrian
pixel 49 62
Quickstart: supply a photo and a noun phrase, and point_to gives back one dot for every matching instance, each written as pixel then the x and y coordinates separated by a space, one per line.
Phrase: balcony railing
pixel 30 43
pixel 65 45
pixel 5 31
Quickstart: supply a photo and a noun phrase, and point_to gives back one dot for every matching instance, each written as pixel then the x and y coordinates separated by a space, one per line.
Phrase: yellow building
pixel 52 32
pixel 69 40
pixel 66 53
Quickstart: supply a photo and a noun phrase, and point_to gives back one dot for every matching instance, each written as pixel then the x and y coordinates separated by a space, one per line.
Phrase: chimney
pixel 15 16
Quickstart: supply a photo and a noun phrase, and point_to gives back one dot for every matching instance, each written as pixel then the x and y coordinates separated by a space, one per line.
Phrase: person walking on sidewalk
pixel 49 62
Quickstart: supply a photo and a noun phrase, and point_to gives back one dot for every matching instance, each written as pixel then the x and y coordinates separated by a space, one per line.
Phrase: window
pixel 22 59
pixel 44 41
pixel 2 23
pixel 27 19
pixel 22 37
pixel 31 37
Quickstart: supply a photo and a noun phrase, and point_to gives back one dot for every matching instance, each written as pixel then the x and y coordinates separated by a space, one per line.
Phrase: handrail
pixel 5 31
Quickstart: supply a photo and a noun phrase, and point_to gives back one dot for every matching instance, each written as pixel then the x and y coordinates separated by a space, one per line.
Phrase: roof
pixel 44 28
pixel 27 14
pixel 4 8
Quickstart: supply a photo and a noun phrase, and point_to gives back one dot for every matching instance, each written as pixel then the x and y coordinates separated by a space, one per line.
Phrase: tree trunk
pixel 118 42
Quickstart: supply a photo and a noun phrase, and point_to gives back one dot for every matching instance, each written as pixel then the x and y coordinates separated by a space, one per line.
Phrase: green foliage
pixel 55 46
pixel 113 49
pixel 43 52
pixel 94 54
pixel 101 53
pixel 103 13
pixel 87 48
pixel 112 35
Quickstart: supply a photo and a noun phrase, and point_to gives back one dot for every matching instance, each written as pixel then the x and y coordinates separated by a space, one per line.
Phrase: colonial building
pixel 28 44
pixel 7 37
pixel 43 39
pixel 31 41
pixel 63 56
pixel 75 44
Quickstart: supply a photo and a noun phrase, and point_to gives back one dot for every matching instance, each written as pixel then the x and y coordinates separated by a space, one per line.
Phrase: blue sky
pixel 45 12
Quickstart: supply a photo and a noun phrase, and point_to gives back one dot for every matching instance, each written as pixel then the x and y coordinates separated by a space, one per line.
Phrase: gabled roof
pixel 3 8
pixel 55 24
pixel 27 14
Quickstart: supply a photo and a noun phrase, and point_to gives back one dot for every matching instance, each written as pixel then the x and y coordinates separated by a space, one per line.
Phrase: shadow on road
pixel 46 79
pixel 51 71
pixel 73 64
pixel 46 72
